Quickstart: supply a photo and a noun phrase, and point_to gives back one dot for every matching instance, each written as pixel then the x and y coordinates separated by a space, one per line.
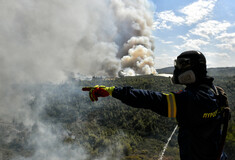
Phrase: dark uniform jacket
pixel 196 110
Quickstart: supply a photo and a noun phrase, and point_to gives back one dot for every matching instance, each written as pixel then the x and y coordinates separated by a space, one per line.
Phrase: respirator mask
pixel 183 73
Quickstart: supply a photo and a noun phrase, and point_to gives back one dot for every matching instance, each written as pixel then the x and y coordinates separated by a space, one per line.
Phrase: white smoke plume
pixel 49 147
pixel 137 52
pixel 43 40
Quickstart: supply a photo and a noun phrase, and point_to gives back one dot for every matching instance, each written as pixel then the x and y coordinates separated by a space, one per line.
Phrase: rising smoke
pixel 43 40
pixel 136 47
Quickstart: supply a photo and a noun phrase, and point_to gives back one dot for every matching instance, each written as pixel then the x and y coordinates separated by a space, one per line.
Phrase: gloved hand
pixel 98 91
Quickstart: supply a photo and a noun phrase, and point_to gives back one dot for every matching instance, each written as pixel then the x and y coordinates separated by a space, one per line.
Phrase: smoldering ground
pixel 41 41
pixel 60 124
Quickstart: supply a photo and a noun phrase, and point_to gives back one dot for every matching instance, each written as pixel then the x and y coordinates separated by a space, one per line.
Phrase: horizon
pixel 207 67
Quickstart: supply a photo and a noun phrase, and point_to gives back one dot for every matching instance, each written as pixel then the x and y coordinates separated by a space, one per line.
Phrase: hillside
pixel 106 129
pixel 222 71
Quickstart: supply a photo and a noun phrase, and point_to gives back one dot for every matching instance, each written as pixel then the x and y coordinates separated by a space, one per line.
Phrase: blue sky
pixel 204 25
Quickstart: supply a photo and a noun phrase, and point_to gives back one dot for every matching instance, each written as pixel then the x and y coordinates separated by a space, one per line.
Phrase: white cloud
pixel 218 59
pixel 160 25
pixel 170 17
pixel 182 37
pixel 166 18
pixel 164 60
pixel 226 35
pixel 198 10
pixel 192 44
pixel 228 41
pixel 162 40
pixel 210 28
pixel 166 42
pixel 217 54
pixel 192 14
pixel 226 46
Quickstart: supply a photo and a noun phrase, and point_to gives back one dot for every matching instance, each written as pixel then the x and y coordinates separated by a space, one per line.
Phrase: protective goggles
pixel 182 63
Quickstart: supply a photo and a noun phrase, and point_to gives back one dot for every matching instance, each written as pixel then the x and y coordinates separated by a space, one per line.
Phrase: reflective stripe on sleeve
pixel 171 105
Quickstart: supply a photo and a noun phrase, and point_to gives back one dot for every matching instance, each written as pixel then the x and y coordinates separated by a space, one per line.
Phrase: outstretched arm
pixel 163 104
pixel 139 98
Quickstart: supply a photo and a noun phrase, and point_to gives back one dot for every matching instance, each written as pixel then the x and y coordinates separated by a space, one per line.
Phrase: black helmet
pixel 190 67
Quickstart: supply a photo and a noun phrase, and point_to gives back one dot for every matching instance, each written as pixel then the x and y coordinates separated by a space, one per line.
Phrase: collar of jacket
pixel 206 80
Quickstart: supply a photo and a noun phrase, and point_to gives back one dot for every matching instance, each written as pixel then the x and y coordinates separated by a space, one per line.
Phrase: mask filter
pixel 187 77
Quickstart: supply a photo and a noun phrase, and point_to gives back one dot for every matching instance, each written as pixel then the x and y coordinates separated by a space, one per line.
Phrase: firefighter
pixel 197 109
